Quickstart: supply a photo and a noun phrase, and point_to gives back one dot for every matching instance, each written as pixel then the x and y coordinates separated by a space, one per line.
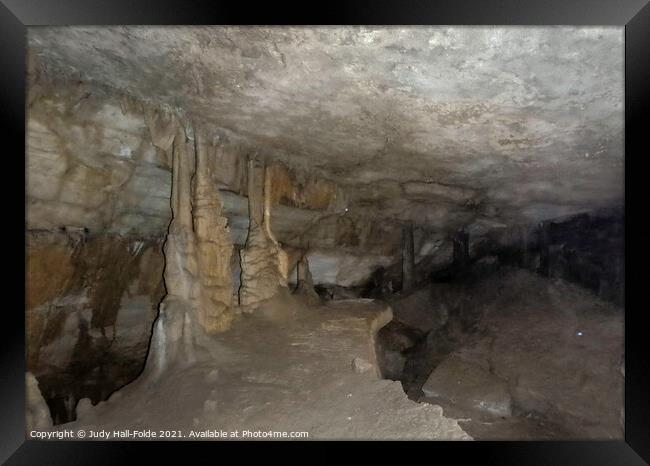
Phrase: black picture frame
pixel 634 15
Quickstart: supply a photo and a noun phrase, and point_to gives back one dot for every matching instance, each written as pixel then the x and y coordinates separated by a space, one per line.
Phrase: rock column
pixel 408 257
pixel 263 262
pixel 213 243
pixel 174 329
pixel 197 252
pixel 461 249
pixel 305 284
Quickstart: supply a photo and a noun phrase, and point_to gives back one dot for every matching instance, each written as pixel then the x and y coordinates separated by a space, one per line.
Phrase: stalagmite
pixel 171 340
pixel 197 258
pixel 263 262
pixel 214 245
pixel 305 284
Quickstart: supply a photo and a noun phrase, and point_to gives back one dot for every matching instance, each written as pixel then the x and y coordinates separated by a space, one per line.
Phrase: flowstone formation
pixel 197 250
pixel 264 264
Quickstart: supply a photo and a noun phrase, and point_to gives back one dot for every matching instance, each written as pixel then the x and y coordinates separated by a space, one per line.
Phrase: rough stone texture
pixel 198 252
pixel 91 300
pixel 304 282
pixel 214 244
pixel 172 335
pixel 307 212
pixel 360 365
pixel 584 249
pixel 264 264
pixel 469 385
pixel 296 189
pixel 90 164
pixel 451 128
pixel 99 164
pixel 296 374
pixel 37 415
pixel 337 267
pixel 444 125
pixel 557 346
pixel 392 341
pixel 408 258
pixel 333 239
pixel 425 309
pixel 97 211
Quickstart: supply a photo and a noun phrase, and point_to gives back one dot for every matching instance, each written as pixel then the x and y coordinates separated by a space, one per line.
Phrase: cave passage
pixel 326 232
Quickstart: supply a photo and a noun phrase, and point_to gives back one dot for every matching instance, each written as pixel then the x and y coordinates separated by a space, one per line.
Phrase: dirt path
pixel 288 368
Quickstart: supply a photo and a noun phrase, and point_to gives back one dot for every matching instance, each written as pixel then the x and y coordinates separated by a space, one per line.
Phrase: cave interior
pixel 355 232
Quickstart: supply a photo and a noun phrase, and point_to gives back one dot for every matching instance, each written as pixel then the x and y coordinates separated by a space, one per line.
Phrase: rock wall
pixel 344 248
pixel 587 249
pixel 97 205
pixel 90 302
pixel 91 164
pixel 121 193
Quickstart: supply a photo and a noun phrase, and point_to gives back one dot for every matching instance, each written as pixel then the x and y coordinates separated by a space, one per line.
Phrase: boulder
pixel 469 385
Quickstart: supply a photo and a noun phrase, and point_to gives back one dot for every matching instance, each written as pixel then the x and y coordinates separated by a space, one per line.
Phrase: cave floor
pixel 288 367
pixel 556 348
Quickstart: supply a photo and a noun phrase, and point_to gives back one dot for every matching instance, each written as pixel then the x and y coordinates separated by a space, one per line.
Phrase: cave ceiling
pixel 447 126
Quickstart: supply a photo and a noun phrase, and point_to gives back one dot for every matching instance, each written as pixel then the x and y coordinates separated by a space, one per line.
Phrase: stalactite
pixel 162 126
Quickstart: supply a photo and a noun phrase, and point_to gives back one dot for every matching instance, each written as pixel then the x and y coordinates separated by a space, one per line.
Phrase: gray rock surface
pixel 443 125
pixel 469 385
pixel 37 416
pixel 297 374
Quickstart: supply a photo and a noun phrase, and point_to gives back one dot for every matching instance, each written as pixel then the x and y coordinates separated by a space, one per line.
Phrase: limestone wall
pixel 97 211
pixel 90 304
pixel 90 163
pixel 99 178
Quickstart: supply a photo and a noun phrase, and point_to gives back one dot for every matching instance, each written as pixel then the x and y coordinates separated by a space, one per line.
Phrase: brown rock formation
pixel 263 262
pixel 213 243
pixel 198 250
